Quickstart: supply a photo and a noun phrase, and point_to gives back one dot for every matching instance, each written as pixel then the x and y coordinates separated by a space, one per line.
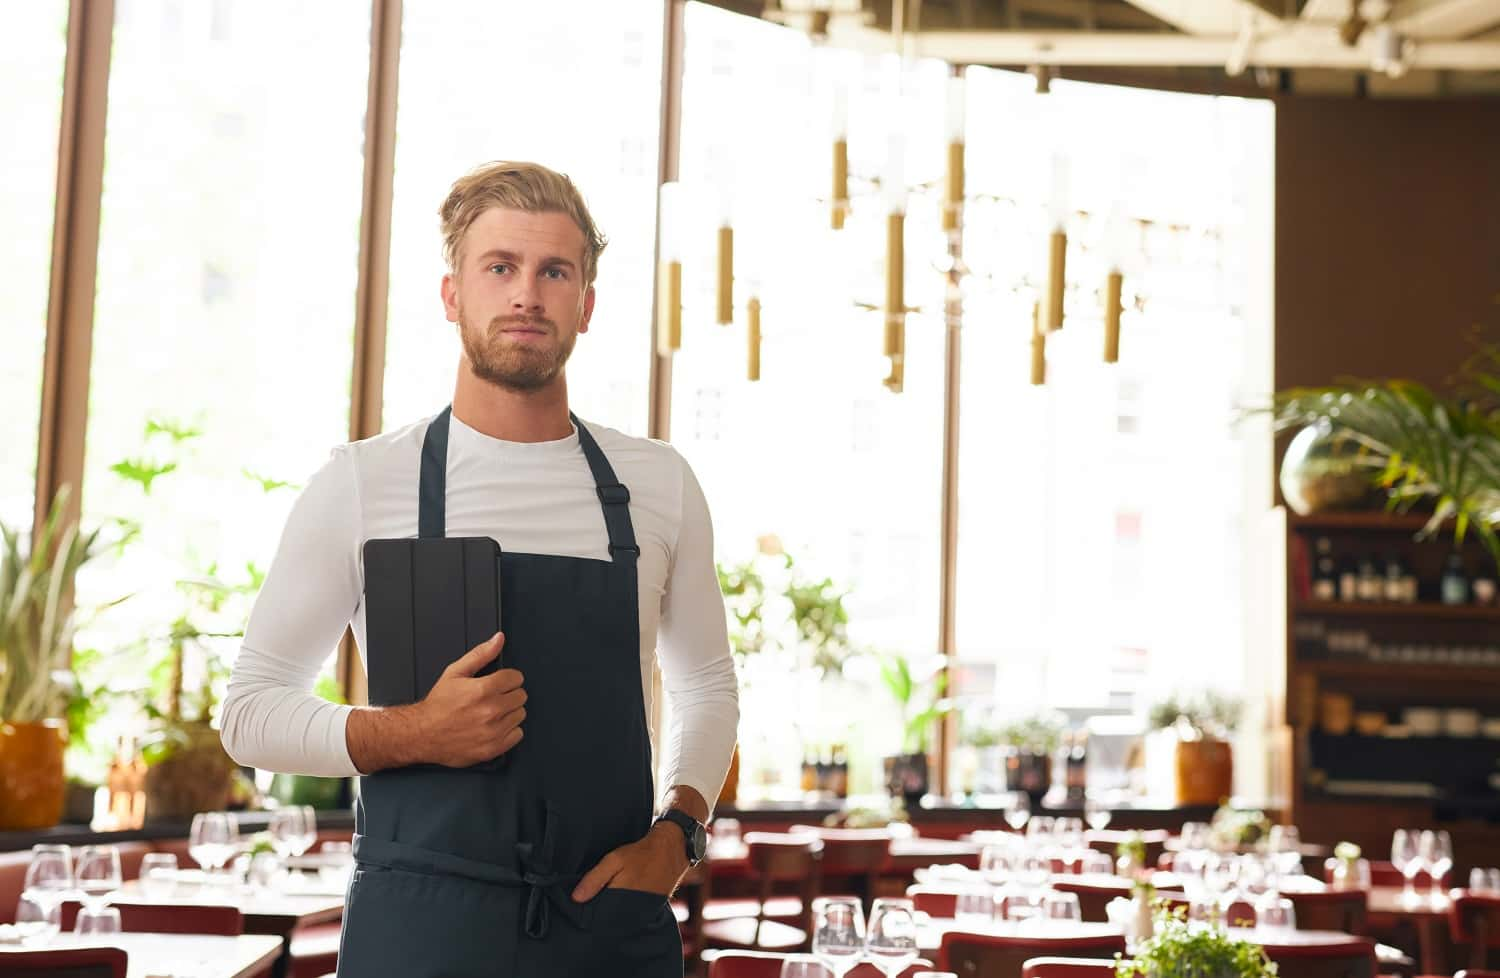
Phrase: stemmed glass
pixel 891 944
pixel 803 966
pixel 213 839
pixel 309 830
pixel 1286 849
pixel 97 875
pixel 48 881
pixel 1436 850
pixel 1018 811
pixel 838 938
pixel 286 831
pixel 1406 854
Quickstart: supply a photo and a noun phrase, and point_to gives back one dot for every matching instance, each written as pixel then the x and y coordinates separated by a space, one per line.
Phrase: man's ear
pixel 588 310
pixel 450 297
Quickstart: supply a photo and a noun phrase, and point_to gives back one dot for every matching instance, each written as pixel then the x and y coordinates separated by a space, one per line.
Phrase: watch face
pixel 699 840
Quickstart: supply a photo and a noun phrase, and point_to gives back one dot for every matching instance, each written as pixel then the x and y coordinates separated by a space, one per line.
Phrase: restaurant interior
pixel 1195 685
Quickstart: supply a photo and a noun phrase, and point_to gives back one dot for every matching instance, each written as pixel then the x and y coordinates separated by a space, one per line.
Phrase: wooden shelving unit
pixel 1380 684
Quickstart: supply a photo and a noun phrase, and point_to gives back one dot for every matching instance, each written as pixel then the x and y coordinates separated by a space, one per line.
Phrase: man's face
pixel 518 297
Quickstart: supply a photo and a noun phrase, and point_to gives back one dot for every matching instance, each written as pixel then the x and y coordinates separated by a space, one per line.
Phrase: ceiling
pixel 1411 48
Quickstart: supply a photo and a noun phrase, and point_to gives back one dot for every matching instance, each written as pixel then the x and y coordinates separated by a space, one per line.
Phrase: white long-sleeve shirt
pixel 532 498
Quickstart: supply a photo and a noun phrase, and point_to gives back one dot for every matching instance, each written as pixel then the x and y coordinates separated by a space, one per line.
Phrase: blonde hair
pixel 528 187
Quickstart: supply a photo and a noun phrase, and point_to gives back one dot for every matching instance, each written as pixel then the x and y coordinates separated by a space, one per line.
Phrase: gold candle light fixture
pixel 669 309
pixel 752 320
pixel 1057 265
pixel 894 190
pixel 953 198
pixel 1112 286
pixel 1038 347
pixel 726 274
pixel 840 195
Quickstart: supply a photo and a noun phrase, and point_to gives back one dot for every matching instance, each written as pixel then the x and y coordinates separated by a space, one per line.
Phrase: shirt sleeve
pixel 693 648
pixel 270 718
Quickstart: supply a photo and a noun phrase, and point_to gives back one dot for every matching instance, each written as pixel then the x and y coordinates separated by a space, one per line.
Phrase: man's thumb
pixel 476 658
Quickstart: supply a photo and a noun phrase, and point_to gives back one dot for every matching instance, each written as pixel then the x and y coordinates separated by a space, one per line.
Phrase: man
pixel 551 864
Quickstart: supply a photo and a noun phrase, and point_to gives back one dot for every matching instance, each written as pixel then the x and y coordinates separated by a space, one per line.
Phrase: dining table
pixel 177 955
pixel 268 910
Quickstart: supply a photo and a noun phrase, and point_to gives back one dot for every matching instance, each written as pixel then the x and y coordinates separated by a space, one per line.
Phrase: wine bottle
pixel 1325 583
pixel 1455 582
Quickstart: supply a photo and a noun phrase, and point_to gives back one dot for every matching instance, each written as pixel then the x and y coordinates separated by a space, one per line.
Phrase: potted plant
pixel 37 620
pixel 1417 444
pixel 1130 855
pixel 918 692
pixel 1188 755
pixel 1176 950
pixel 1030 741
pixel 1238 828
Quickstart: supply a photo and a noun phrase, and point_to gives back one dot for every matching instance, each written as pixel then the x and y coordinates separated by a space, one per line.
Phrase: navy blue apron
pixel 463 872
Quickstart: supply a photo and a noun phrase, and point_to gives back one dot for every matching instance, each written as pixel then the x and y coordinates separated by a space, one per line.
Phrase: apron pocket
pixel 419 925
pixel 618 911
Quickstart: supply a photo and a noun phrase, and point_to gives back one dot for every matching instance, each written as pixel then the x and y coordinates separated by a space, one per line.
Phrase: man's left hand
pixel 655 863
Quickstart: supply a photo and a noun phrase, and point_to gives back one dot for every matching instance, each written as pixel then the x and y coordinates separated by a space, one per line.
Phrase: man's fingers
pixel 595 879
pixel 502 680
pixel 477 657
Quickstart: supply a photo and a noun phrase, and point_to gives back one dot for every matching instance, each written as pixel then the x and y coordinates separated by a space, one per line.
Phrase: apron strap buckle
pixel 613 495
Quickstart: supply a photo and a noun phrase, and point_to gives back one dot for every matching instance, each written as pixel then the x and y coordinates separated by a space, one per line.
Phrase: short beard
pixel 514 367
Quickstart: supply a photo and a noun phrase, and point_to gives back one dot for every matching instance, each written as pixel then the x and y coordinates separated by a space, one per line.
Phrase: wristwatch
pixel 692 830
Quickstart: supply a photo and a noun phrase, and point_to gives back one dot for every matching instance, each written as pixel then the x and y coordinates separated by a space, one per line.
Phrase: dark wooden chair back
pixel 782 857
pixel 162 918
pixel 1474 919
pixel 1344 910
pixel 992 956
pixel 1352 958
pixel 73 962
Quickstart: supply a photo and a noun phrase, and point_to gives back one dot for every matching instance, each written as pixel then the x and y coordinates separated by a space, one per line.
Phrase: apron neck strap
pixel 614 498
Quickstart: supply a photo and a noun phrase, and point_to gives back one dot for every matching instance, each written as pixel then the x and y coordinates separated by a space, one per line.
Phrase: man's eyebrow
pixel 511 256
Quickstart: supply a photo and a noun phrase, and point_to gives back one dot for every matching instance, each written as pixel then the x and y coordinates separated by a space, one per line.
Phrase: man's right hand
pixel 463 720
pixel 466 719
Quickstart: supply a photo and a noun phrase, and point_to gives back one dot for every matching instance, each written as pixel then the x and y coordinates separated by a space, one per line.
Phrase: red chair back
pixel 934 900
pixel 852 858
pixel 1474 920
pixel 1093 897
pixel 73 962
pixel 1352 958
pixel 12 878
pixel 775 857
pixel 1343 910
pixel 1005 957
pixel 1067 968
pixel 162 918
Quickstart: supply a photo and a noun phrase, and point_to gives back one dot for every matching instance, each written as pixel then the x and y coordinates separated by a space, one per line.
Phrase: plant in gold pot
pixel 1189 759
pixel 37 619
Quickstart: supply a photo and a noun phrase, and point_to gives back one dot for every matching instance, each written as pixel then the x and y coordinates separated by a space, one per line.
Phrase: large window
pixel 33 46
pixel 225 304
pixel 574 85
pixel 1103 516
pixel 818 453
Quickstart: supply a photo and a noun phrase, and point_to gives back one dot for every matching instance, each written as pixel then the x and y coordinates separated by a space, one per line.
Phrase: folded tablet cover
pixel 427 602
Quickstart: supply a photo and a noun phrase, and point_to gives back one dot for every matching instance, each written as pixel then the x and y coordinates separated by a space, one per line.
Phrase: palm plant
pixel 37 617
pixel 1420 444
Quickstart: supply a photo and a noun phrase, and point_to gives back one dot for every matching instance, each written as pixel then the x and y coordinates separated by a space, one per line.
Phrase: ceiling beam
pixel 1210 16
pixel 1327 11
pixel 1295 45
pixel 1450 19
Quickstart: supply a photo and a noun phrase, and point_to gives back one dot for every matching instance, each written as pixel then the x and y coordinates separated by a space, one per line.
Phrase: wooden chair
pixel 1093 897
pixel 1351 958
pixel 937 899
pixel 852 858
pixel 1105 840
pixel 1345 910
pixel 73 962
pixel 765 964
pixel 773 858
pixel 993 956
pixel 1068 968
pixel 162 918
pixel 1477 973
pixel 1474 920
pixel 12 878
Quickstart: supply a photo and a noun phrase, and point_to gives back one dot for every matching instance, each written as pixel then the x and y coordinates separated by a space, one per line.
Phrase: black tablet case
pixel 428 601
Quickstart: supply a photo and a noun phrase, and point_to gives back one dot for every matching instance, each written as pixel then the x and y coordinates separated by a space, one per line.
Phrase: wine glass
pixel 1275 913
pixel 49 878
pixel 838 937
pixel 309 830
pixel 1407 857
pixel 1096 813
pixel 1061 908
pixel 975 906
pixel 286 831
pixel 994 864
pixel 97 875
pixel 891 944
pixel 212 840
pixel 1041 829
pixel 1437 853
pixel 1286 849
pixel 37 919
pixel 98 920
pixel 1018 810
pixel 803 966
pixel 158 875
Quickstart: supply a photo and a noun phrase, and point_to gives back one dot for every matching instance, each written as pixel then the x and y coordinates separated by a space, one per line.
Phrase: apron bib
pixel 463 872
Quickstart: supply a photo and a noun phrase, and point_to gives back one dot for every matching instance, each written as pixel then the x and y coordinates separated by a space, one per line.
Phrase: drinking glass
pixel 1276 913
pixel 1437 854
pixel 1492 880
pixel 1041 829
pixel 309 830
pixel 1018 810
pixel 286 831
pixel 49 877
pixel 838 938
pixel 891 943
pixel 1286 848
pixel 1061 908
pixel 212 840
pixel 1022 906
pixel 98 920
pixel 975 906
pixel 97 874
pixel 1096 813
pixel 38 920
pixel 803 966
pixel 994 864
pixel 1407 857
pixel 159 875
